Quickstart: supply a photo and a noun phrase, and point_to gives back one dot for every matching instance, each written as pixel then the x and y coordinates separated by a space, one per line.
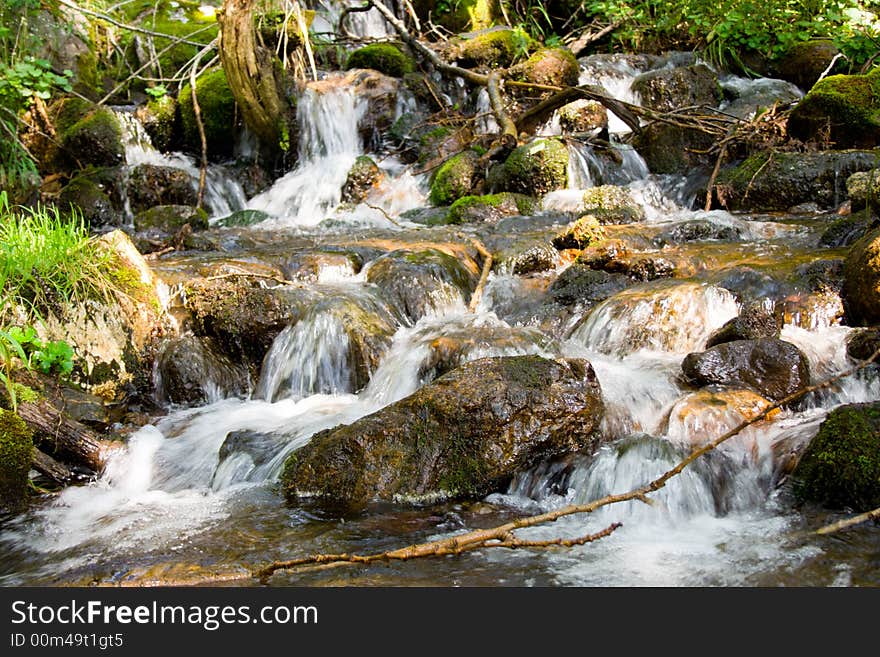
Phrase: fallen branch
pixel 501 535
pixel 484 275
pixel 849 522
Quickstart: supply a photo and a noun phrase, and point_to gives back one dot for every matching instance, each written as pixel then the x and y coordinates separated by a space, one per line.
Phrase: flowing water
pixel 193 497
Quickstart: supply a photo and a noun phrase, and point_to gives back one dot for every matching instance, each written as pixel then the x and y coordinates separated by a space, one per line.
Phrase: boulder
pixel 95 139
pixel 171 218
pixel 863 189
pixel 161 121
pixel 462 436
pixel 150 185
pixel 611 204
pixel 579 234
pixel 862 343
pixel 492 48
pixel 861 281
pixel 490 208
pixel 840 468
pixel 846 231
pixel 91 200
pixel 841 110
pixel 194 371
pixel 218 115
pixel 672 149
pixel 455 178
pixel 753 323
pixel 364 175
pixel 773 368
pixel 579 284
pixel 383 57
pixel 557 67
pixel 802 63
pixel 667 89
pixel 535 168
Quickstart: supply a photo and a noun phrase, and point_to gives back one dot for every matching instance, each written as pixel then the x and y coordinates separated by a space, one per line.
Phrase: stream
pixel 177 505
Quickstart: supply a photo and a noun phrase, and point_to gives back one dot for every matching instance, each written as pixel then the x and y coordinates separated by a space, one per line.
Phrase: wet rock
pixel 490 208
pixel 668 89
pixel 260 447
pixel 863 188
pixel 462 436
pixel 427 216
pixel 527 256
pixel 774 368
pixel 840 468
pixel 309 266
pixel 415 281
pixel 698 230
pixel 842 111
pixel 241 315
pixel 862 343
pixel 611 204
pixel 583 116
pixel 16 450
pixel 243 218
pixel 748 99
pixel 649 268
pixel 150 185
pixel 535 168
pixel 555 67
pixel 671 149
pixel 579 284
pixel 362 177
pixel 579 234
pixel 85 407
pixel 861 281
pixel 776 181
pixel 455 178
pixel 753 323
pixel 492 48
pixel 383 57
pixel 846 231
pixel 195 371
pixel 169 219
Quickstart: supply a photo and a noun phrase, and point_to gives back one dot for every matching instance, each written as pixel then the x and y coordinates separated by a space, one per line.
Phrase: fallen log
pixel 51 469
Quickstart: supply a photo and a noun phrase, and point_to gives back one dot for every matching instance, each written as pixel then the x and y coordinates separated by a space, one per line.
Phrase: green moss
pixel 383 57
pixel 162 120
pixel 495 49
pixel 840 468
pixel 455 178
pixel 742 174
pixel 536 168
pixel 462 210
pixel 217 106
pixel 580 234
pixel 95 139
pixel 611 204
pixel 843 108
pixel 16 452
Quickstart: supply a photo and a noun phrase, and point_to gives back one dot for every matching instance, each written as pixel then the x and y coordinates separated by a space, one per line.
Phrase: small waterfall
pixel 615 76
pixel 329 144
pixel 309 357
pixel 370 24
pixel 665 317
pixel 223 194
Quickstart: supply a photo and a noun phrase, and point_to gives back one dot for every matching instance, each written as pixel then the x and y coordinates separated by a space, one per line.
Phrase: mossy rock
pixel 666 89
pixel 840 468
pixel 847 230
pixel 611 204
pixel 95 139
pixel 556 67
pixel 844 109
pixel 161 120
pixel 89 198
pixel 363 176
pixel 243 218
pixel 171 218
pixel 494 48
pixel 16 452
pixel 536 168
pixel 462 436
pixel 579 234
pixel 218 114
pixel 490 208
pixel 863 190
pixel 455 178
pixel 861 281
pixel 383 57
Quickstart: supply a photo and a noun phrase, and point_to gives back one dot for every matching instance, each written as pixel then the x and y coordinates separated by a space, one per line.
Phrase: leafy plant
pixel 156 92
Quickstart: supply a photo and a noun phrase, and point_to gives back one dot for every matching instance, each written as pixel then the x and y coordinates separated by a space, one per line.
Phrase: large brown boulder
pixel 774 368
pixel 861 281
pixel 463 436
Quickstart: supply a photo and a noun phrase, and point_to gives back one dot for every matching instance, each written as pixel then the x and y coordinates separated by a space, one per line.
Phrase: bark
pixel 51 469
pixel 254 75
pixel 64 438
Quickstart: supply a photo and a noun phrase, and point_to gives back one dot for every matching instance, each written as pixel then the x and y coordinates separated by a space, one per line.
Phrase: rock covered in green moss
pixel 171 218
pixel 455 178
pixel 579 234
pixel 88 197
pixel 16 451
pixel 611 204
pixel 161 121
pixel 217 109
pixel 844 109
pixel 535 168
pixel 556 67
pixel 583 116
pixel 150 185
pixel 383 57
pixel 863 190
pixel 489 208
pixel 774 180
pixel 496 47
pixel 840 468
pixel 847 230
pixel 462 436
pixel 95 139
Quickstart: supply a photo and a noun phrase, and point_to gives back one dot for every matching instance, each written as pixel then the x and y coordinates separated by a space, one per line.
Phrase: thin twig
pixel 484 275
